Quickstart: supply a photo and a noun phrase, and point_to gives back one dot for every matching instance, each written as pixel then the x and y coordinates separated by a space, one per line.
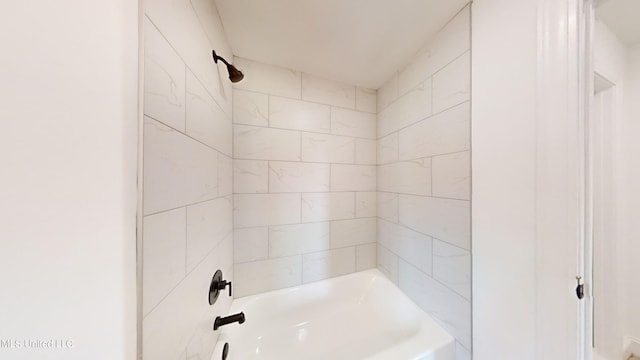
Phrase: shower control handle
pixel 223 284
pixel 217 285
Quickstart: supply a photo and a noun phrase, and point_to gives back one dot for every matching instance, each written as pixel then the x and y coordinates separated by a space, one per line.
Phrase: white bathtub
pixel 352 317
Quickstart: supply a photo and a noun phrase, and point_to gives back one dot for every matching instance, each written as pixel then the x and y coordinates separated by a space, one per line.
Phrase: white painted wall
pixel 630 213
pixel 504 46
pixel 609 62
pixel 616 309
pixel 68 208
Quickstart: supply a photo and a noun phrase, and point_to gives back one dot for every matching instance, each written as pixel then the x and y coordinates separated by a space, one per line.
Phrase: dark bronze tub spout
pixel 222 321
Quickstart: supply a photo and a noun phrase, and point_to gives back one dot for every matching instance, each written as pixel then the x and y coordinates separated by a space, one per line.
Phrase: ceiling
pixel 361 42
pixel 622 17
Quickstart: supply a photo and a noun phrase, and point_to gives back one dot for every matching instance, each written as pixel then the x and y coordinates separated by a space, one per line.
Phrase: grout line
pixel 268 242
pixel 422 233
pixel 331 186
pixel 308 101
pixel 451 62
pixel 314 162
pixel 184 62
pixel 421 81
pixel 431 176
pixel 196 266
pixel 432 257
pixel 423 196
pixel 304 223
pixel 424 157
pixel 186 86
pixel 306 131
pixel 460 104
pixel 189 136
pixel 186 238
pixel 438 281
pixel 186 205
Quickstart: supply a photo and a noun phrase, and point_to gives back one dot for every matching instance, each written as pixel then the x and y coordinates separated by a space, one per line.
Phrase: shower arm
pixel 216 57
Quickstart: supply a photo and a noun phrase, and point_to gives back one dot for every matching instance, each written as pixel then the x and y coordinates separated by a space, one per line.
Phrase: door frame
pixel 564 83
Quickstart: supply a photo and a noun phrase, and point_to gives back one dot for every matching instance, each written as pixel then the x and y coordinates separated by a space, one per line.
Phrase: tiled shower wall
pixel 424 180
pixel 187 227
pixel 304 178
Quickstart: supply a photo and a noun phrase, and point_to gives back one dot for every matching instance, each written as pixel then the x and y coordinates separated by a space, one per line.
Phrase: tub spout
pixel 222 321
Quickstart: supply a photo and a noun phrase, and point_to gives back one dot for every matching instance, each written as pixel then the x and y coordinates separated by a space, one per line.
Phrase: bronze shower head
pixel 235 75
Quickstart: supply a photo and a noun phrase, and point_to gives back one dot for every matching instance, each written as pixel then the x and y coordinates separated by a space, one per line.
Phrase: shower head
pixel 235 75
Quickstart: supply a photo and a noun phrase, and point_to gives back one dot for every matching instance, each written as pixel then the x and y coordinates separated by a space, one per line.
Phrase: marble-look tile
pixel 410 108
pixel 208 224
pixel 406 177
pixel 203 341
pixel 328 206
pixel 366 100
pixel 452 175
pixel 387 206
pixel 353 232
pixel 353 177
pixel 266 275
pixel 164 80
pixel 462 353
pixel 388 149
pixel 258 143
pixel 206 121
pixel 366 204
pixel 328 92
pixel 328 148
pixel 366 257
pixel 353 123
pixel 299 115
pixel 250 108
pixel 170 328
pixel 250 176
pixel 288 240
pixel 388 93
pixel 445 219
pixel 298 177
pixel 211 23
pixel 452 267
pixel 250 244
pixel 450 310
pixel 327 264
pixel 268 79
pixel 225 175
pixel 251 210
pixel 164 244
pixel 444 133
pixel 365 152
pixel 178 170
pixel 409 245
pixel 452 84
pixel 452 41
pixel 180 24
pixel 387 263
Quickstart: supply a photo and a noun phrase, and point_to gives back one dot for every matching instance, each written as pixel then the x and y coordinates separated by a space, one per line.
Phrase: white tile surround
pixel 188 169
pixel 424 180
pixel 304 178
pixel 298 179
